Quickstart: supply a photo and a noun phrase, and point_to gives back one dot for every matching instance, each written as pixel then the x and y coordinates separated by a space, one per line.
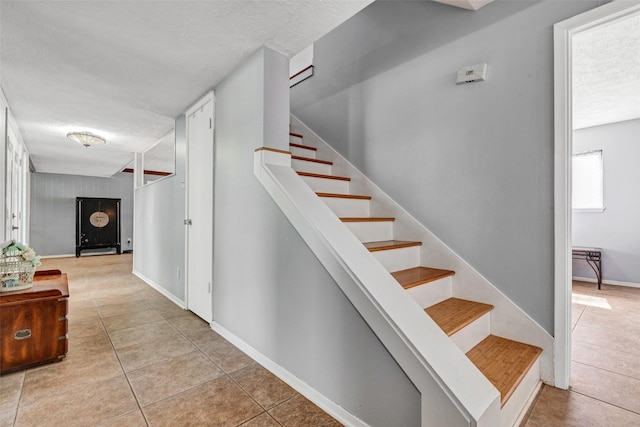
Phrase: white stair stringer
pixel 507 319
pixel 453 392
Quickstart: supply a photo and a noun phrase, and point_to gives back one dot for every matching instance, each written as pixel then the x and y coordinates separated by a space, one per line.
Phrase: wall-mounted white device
pixel 472 73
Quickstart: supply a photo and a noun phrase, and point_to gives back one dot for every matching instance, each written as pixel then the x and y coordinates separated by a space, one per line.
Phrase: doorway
pixel 199 203
pixel 563 137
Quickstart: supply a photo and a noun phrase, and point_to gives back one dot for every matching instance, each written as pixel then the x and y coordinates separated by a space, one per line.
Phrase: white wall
pixel 617 229
pixel 269 289
pixel 53 208
pixel 159 213
pixel 474 162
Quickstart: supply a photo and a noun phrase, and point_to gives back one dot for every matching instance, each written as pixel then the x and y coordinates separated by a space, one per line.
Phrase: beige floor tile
pixel 85 328
pixel 82 406
pixel 167 309
pixel 605 358
pixel 219 402
pixel 10 387
pixel 608 336
pixel 162 380
pixel 132 419
pixel 191 325
pixel 89 345
pixel 69 374
pixel 299 412
pixel 139 355
pixel 265 388
pixel 7 417
pixel 123 307
pixel 616 389
pixel 129 320
pixel 227 356
pixel 154 331
pixel 562 408
pixel 263 420
pixel 623 320
pixel 83 314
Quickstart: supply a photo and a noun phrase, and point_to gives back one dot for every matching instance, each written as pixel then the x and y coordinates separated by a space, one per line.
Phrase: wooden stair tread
pixel 390 244
pixel 309 159
pixel 420 275
pixel 366 219
pixel 504 362
pixel 344 196
pixel 319 175
pixel 454 314
pixel 306 147
pixel 296 134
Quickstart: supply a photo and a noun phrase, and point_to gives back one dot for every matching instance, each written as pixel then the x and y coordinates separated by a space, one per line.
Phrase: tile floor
pixel 137 359
pixel 605 376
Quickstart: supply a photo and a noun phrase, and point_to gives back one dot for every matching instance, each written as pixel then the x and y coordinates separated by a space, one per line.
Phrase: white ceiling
pixel 124 70
pixel 606 73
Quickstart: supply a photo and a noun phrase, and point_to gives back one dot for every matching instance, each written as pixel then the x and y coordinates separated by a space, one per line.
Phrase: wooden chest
pixel 33 322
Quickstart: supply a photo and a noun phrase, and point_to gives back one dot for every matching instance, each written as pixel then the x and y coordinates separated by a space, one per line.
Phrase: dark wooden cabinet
pixel 33 322
pixel 97 223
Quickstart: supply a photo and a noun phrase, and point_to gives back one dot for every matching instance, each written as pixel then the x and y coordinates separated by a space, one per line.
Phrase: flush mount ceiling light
pixel 86 138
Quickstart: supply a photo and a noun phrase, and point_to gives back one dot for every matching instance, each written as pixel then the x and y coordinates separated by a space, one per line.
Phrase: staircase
pixel 511 366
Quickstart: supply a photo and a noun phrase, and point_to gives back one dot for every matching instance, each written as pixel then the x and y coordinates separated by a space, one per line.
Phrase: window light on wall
pixel 588 182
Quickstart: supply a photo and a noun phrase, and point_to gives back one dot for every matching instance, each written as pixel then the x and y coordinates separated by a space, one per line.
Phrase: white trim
pixel 174 299
pixel 607 282
pixel 563 133
pixel 294 382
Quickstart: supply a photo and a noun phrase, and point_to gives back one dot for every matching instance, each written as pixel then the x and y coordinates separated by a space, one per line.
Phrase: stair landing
pixel 504 362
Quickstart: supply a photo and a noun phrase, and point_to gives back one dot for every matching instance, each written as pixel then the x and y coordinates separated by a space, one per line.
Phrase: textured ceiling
pixel 606 73
pixel 125 69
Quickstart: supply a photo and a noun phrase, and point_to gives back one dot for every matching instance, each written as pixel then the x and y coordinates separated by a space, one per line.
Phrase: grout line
pixel 605 402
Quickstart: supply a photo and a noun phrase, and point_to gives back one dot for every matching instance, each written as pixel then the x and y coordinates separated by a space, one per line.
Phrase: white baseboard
pixel 177 301
pixel 607 282
pixel 294 382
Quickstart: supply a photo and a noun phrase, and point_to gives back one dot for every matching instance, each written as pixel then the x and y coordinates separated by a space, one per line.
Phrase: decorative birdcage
pixel 17 267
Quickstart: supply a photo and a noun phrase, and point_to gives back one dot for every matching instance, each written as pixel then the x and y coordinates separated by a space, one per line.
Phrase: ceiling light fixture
pixel 86 138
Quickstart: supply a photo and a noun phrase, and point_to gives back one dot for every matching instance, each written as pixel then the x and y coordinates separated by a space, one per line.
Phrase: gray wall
pixel 159 214
pixel 53 208
pixel 269 288
pixel 473 163
pixel 617 229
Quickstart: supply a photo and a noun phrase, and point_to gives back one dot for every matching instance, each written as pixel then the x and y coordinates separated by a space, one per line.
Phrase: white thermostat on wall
pixel 472 73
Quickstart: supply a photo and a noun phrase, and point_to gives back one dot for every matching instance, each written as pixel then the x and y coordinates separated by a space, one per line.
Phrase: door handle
pixel 187 222
pixel 14 227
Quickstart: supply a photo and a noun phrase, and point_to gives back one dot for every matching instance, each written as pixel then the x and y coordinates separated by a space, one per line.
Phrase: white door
pixel 199 254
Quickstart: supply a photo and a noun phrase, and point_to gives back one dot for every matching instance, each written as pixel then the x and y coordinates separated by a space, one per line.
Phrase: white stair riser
pixel 313 167
pixel 432 293
pixel 523 396
pixel 295 139
pixel 347 207
pixel 302 152
pixel 323 185
pixel 399 259
pixel 371 231
pixel 471 335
